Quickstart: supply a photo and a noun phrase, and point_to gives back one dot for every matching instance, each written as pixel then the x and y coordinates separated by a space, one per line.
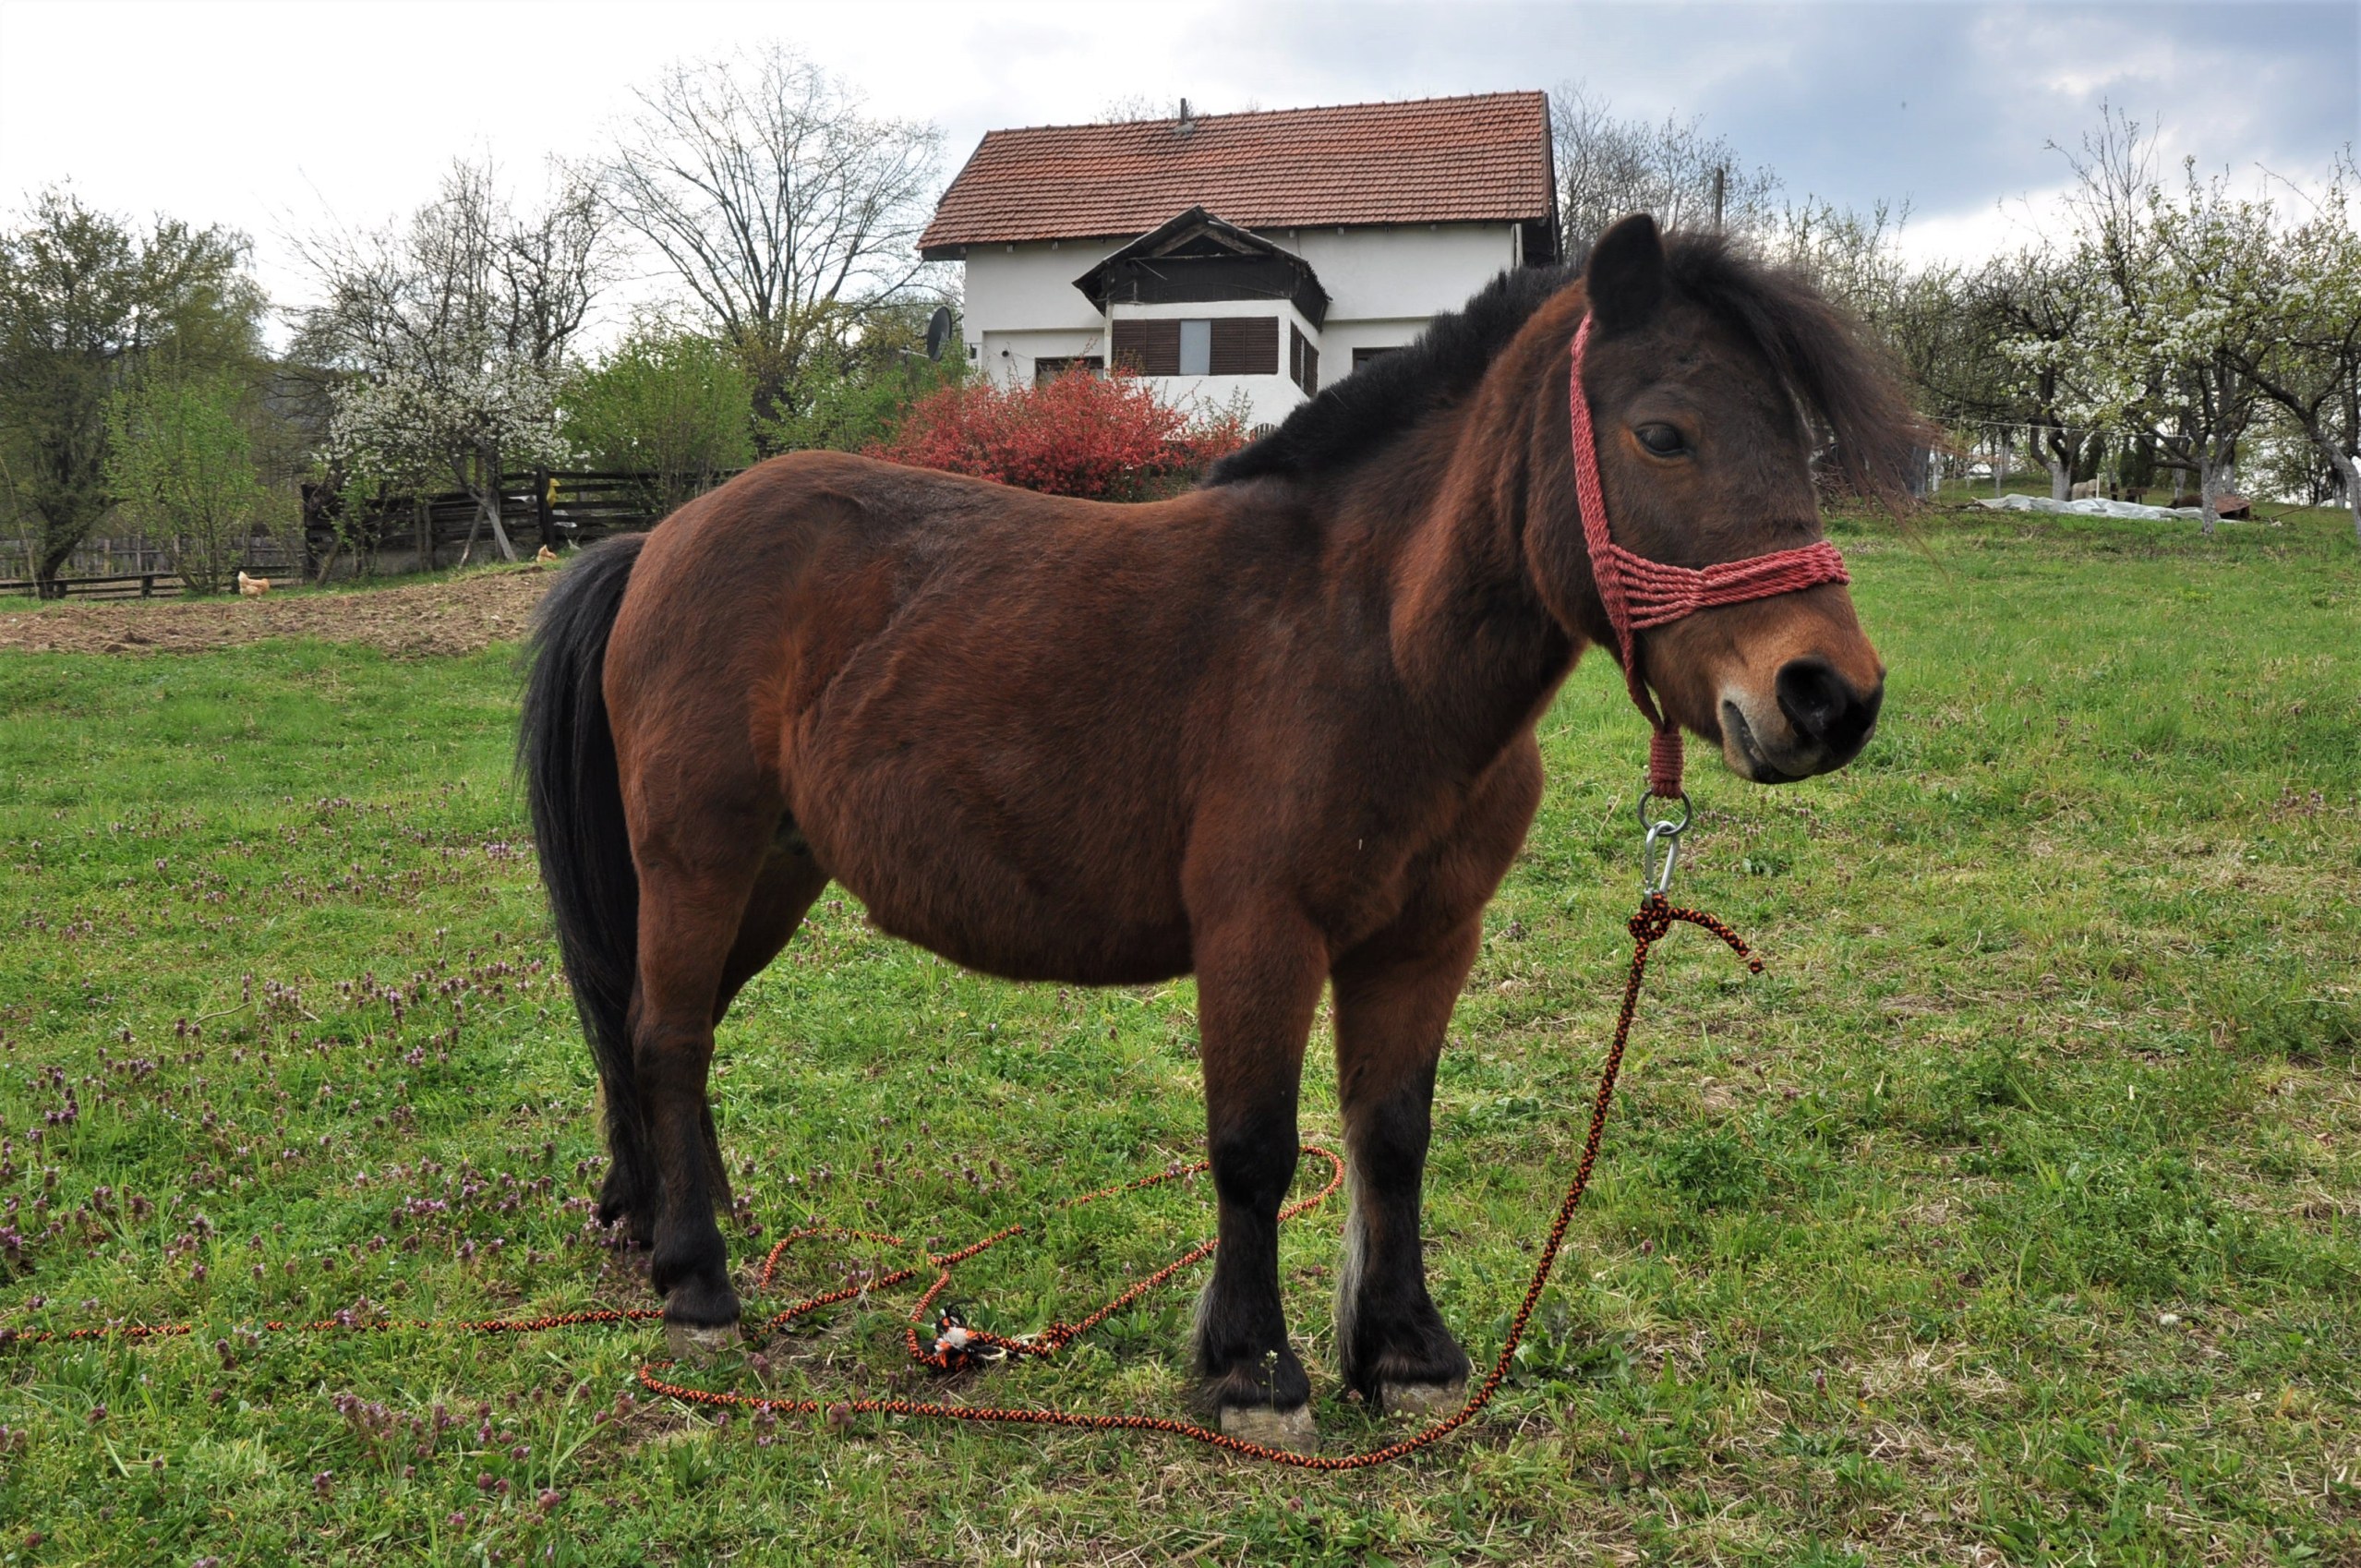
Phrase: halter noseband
pixel 1638 593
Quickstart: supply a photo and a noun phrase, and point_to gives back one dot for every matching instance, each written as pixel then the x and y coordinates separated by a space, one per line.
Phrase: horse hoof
pixel 699 1345
pixel 1431 1401
pixel 1293 1431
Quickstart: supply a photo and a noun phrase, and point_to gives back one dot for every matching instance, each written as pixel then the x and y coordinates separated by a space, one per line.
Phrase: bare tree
pixel 1134 107
pixel 447 335
pixel 464 269
pixel 551 266
pixel 1608 166
pixel 791 212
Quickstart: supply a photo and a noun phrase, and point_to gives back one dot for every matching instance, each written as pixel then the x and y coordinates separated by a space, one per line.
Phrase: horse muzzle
pixel 1815 720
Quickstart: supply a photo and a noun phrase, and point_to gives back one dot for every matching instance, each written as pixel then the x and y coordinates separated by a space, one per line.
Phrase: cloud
pixel 1949 107
pixel 265 116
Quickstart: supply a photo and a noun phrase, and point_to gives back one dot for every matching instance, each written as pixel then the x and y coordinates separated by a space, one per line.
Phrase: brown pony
pixel 1277 732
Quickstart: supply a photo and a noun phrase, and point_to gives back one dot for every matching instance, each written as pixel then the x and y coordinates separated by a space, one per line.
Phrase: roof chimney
pixel 1184 126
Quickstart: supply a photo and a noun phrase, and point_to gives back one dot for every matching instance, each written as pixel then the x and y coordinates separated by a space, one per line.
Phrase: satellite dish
pixel 938 331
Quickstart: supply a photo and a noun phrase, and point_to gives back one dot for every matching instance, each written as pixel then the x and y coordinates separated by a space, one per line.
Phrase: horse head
pixel 1710 380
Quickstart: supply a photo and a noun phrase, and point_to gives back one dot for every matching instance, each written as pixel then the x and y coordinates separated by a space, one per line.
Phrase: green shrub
pixel 675 404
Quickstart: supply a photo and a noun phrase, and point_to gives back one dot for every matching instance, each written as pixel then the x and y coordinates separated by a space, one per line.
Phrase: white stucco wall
pixel 1343 337
pixel 1009 358
pixel 1408 271
pixel 1267 399
pixel 1030 288
pixel 1384 285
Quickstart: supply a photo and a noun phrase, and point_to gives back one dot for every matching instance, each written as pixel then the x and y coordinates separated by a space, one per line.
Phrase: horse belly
pixel 1031 891
pixel 1111 953
pixel 1002 771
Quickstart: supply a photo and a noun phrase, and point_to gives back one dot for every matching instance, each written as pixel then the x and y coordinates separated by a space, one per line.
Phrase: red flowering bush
pixel 1105 437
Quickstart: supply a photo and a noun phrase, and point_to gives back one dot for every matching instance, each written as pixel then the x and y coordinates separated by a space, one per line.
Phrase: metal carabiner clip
pixel 1662 830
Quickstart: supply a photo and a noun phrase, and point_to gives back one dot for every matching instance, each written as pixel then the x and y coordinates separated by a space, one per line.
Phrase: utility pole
pixel 1721 186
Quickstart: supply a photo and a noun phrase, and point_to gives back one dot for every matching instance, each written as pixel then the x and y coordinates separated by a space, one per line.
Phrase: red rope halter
pixel 1638 593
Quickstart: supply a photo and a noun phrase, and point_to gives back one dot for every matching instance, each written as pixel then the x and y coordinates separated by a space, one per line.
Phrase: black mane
pixel 1359 413
pixel 1825 359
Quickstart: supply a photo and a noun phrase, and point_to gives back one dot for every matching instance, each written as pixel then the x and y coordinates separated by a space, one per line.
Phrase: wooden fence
pixel 125 585
pixel 552 508
pixel 558 508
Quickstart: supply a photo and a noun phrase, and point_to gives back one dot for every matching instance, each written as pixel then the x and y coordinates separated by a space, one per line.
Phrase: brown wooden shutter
pixel 1303 360
pixel 1244 346
pixel 1312 370
pixel 1149 348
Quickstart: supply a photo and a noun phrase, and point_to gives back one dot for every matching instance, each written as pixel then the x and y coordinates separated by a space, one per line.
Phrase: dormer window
pixel 1197 257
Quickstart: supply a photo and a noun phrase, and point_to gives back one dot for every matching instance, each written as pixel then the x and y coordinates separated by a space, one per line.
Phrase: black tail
pixel 567 754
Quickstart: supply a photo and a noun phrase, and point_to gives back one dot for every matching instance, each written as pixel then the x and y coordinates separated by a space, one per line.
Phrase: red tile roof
pixel 1484 159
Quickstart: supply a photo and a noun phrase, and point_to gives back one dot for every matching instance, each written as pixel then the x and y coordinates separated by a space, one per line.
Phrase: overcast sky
pixel 276 118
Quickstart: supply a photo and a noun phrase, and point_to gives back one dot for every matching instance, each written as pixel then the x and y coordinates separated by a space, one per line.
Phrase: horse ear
pixel 1626 273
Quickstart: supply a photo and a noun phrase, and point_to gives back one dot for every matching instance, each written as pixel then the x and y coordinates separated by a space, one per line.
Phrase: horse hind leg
pixel 791 881
pixel 631 1194
pixel 710 914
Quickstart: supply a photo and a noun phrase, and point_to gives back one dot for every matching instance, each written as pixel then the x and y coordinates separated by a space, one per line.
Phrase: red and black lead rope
pixel 957 1346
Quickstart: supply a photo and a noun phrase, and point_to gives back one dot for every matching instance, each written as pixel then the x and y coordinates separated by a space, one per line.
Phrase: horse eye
pixel 1662 440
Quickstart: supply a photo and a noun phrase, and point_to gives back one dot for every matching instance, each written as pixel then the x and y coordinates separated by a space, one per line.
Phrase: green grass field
pixel 2015 1214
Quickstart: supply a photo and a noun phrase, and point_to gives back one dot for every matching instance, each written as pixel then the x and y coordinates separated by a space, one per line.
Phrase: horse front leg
pixel 1258 983
pixel 1393 1006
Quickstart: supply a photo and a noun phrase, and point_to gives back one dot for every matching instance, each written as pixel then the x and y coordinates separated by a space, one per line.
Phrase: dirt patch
pixel 423 620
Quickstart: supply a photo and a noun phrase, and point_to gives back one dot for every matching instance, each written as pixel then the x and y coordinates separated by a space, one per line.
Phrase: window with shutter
pixel 1303 361
pixel 1244 346
pixel 1147 348
pixel 1218 345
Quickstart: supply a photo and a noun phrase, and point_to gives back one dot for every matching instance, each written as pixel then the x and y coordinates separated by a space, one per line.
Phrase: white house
pixel 1221 255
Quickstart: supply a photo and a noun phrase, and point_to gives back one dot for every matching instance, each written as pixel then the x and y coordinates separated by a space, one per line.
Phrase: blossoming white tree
pixel 451 335
pixel 469 417
pixel 2176 297
pixel 2038 301
pixel 2308 361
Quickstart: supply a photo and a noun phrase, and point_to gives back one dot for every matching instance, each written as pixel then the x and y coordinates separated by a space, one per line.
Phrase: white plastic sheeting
pixel 2093 506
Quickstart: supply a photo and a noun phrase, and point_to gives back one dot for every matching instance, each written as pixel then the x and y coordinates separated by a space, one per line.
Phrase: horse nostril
pixel 1824 706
